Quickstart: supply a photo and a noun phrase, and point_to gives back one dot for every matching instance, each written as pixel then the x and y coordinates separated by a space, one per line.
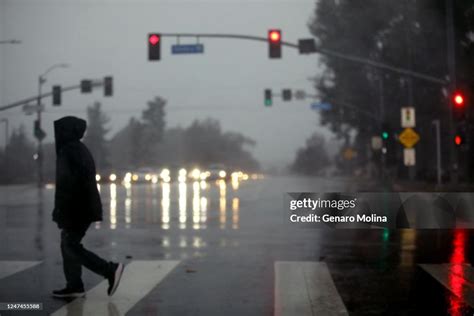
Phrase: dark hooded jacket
pixel 77 200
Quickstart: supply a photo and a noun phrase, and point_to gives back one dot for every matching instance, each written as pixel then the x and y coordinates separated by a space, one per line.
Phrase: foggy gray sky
pixel 100 38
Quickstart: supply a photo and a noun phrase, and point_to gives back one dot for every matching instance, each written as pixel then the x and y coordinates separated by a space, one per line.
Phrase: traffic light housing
pixel 56 95
pixel 460 134
pixel 154 46
pixel 86 86
pixel 268 97
pixel 459 105
pixel 108 86
pixel 286 94
pixel 274 43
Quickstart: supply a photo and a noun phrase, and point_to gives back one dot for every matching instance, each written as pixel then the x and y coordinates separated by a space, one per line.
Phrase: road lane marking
pixel 457 278
pixel 306 288
pixel 8 268
pixel 139 278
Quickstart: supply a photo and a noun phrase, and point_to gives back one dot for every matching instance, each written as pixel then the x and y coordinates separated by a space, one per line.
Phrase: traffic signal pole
pixel 39 157
pixel 320 50
pixel 453 156
pixel 95 83
pixel 107 83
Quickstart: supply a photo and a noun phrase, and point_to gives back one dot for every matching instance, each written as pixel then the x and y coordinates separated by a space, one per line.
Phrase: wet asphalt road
pixel 227 250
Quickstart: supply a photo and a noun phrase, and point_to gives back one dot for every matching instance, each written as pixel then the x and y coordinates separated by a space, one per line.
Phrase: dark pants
pixel 75 256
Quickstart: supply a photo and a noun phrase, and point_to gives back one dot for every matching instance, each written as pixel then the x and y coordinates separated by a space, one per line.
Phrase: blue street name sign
pixel 187 49
pixel 321 106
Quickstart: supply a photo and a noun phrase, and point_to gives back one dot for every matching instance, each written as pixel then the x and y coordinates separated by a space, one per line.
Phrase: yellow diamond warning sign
pixel 409 138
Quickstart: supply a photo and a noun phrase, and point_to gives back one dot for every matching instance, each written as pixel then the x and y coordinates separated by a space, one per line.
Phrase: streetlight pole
pixel 41 81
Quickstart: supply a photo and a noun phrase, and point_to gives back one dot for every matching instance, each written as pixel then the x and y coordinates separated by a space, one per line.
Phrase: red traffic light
pixel 458 140
pixel 458 99
pixel 274 35
pixel 274 43
pixel 154 39
pixel 154 46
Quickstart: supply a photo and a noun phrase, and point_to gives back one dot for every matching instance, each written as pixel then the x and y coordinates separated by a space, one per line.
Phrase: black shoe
pixel 67 293
pixel 114 279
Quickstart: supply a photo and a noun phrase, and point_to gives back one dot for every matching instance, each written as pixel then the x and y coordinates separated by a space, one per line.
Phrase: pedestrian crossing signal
pixel 37 131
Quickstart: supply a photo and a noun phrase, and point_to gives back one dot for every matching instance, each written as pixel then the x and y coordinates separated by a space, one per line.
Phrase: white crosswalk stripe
pixel 458 278
pixel 138 279
pixel 306 288
pixel 8 268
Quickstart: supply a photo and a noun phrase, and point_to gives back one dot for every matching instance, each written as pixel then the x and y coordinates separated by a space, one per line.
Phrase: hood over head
pixel 68 129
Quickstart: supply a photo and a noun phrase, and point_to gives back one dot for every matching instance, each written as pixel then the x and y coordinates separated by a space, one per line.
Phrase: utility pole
pixel 384 150
pixel 39 159
pixel 453 157
pixel 411 98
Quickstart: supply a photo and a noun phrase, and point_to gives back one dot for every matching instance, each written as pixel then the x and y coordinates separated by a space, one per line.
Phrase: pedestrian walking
pixel 77 205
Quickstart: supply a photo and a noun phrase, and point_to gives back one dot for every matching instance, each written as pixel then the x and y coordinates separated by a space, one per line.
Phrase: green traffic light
pixel 384 135
pixel 268 102
pixel 386 234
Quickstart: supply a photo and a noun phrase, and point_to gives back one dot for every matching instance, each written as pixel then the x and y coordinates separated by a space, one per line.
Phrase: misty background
pixel 98 38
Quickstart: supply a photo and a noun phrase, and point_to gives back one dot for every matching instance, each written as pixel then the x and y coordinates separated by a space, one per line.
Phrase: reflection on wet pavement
pixel 134 206
pixel 229 237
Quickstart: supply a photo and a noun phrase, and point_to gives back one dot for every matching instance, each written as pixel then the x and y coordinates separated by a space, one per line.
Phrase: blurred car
pixel 143 175
pixel 109 176
pixel 216 172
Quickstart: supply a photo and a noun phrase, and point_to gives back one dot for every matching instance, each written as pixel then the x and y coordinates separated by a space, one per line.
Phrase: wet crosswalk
pixel 300 287
pixel 139 278
pixel 457 278
pixel 8 268
pixel 306 288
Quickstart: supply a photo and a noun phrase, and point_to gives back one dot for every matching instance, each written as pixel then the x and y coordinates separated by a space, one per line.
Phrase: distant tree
pixel 407 34
pixel 153 127
pixel 147 143
pixel 206 144
pixel 154 118
pixel 137 144
pixel 95 138
pixel 18 165
pixel 312 158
